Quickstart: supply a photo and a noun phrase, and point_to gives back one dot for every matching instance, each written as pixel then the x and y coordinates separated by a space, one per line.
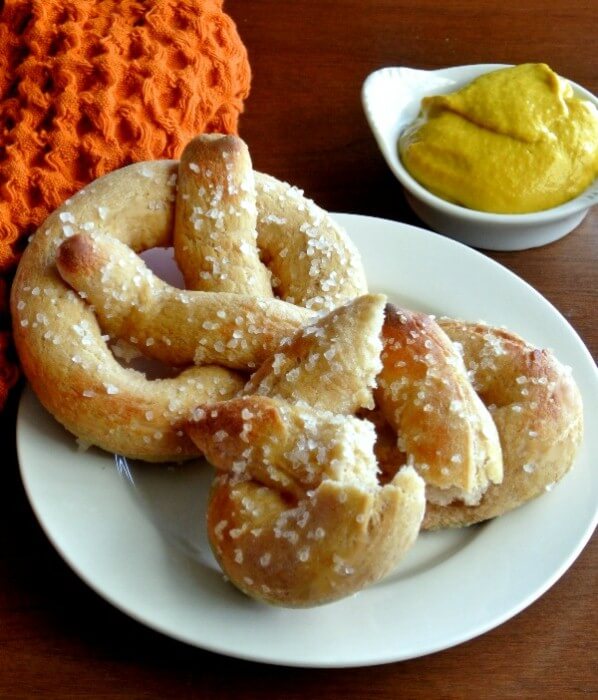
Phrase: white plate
pixel 140 543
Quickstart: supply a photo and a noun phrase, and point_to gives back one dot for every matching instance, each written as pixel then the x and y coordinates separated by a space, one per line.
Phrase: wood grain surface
pixel 304 123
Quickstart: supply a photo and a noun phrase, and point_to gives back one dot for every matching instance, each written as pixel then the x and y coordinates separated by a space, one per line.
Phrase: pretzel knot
pixel 338 424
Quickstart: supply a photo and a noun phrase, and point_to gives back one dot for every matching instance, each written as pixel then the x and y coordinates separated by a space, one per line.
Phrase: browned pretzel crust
pixel 536 406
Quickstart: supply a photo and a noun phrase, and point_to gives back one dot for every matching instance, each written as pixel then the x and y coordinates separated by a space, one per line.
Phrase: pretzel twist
pixel 288 451
pixel 537 409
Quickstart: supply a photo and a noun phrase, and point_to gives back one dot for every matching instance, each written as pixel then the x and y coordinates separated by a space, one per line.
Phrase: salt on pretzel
pixel 216 219
pixel 305 521
pixel 537 409
pixel 331 363
pixel 309 259
pixel 63 350
pixel 426 396
pixel 296 515
pixel 422 389
pixel 177 327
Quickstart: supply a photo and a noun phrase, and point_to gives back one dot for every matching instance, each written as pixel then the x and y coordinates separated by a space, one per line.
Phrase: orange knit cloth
pixel 87 86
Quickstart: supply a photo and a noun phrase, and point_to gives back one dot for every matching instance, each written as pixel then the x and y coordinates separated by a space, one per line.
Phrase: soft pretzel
pixel 62 348
pixel 296 515
pixel 536 406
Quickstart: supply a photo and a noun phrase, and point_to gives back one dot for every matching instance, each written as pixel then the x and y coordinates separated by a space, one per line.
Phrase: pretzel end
pixel 76 257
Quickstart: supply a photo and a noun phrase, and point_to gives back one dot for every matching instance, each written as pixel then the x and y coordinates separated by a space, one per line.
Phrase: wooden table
pixel 304 123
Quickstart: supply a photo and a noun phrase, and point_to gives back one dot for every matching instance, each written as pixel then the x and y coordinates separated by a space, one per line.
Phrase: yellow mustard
pixel 514 140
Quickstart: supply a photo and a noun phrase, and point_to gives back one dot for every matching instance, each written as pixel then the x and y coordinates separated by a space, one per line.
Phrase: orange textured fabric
pixel 87 86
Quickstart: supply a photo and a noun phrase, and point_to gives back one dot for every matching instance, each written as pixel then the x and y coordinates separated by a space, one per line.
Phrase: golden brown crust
pixel 425 395
pixel 326 268
pixel 215 230
pixel 177 327
pixel 537 409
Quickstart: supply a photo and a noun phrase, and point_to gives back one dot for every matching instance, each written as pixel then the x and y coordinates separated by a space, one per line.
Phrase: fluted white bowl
pixel 391 100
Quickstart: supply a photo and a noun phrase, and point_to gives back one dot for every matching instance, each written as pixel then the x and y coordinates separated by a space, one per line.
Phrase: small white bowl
pixel 391 99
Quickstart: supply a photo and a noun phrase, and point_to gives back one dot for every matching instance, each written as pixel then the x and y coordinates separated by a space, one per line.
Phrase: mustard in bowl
pixel 534 187
pixel 512 141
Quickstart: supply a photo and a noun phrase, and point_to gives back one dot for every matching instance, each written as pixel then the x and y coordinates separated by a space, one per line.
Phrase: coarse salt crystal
pixel 303 554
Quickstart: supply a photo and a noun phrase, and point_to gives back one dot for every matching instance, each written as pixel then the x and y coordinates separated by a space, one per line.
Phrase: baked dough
pixel 297 515
pixel 215 232
pixel 255 298
pixel 536 406
pixel 443 427
pixel 332 363
pixel 177 327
